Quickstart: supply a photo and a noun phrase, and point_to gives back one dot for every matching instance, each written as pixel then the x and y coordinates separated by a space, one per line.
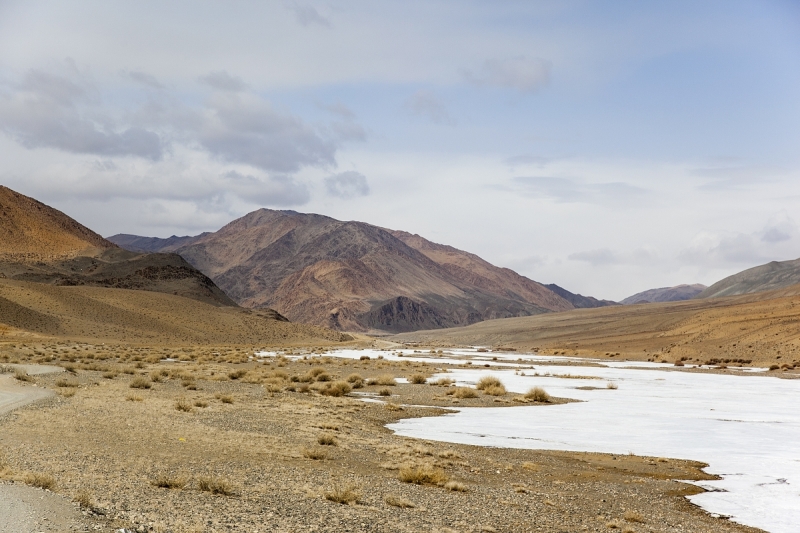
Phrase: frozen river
pixel 747 428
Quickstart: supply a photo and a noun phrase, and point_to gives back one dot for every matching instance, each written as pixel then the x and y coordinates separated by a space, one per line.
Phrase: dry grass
pixel 423 475
pixel 183 405
pixel 398 501
pixel 443 382
pixel 200 403
pixel 317 454
pixel 63 382
pixel 216 486
pixel 390 406
pixel 611 385
pixel 387 380
pixel 43 481
pixel 134 398
pixel 538 394
pixel 337 388
pixel 140 382
pixel 456 486
pixel 495 390
pixel 237 374
pixel 84 499
pixel 385 392
pixel 345 493
pixel 21 375
pixel 464 392
pixel 633 516
pixel 168 481
pixel 67 393
pixel 224 398
pixel 326 439
pixel 487 382
pixel 355 380
pixel 418 379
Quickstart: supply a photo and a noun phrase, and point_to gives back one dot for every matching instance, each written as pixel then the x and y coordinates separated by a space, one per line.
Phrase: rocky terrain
pixel 355 276
pixel 665 294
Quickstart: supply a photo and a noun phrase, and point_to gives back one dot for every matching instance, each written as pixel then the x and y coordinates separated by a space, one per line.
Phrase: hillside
pixel 97 314
pixel 33 231
pixel 665 294
pixel 353 275
pixel 763 328
pixel 578 300
pixel 773 275
pixel 43 245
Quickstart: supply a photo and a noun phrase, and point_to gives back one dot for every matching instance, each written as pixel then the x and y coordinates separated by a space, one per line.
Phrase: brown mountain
pixel 665 294
pixel 773 275
pixel 353 275
pixel 41 244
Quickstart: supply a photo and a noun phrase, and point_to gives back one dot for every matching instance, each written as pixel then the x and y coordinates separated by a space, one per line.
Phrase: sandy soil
pixel 280 457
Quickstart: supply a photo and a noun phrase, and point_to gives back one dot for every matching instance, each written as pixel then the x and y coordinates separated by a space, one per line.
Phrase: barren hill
pixel 33 231
pixel 763 328
pixel 773 275
pixel 41 244
pixel 353 275
pixel 665 294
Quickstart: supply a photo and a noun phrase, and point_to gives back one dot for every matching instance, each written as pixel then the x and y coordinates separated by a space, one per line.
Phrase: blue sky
pixel 606 147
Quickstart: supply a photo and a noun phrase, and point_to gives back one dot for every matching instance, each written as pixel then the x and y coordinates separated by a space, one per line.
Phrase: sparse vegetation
pixel 201 403
pixel 538 394
pixel 418 379
pixel 488 382
pixel 386 380
pixel 423 475
pixel 140 382
pixel 464 392
pixel 214 485
pixel 337 388
pixel 21 375
pixel 84 499
pixel 66 383
pixel 43 481
pixel 385 392
pixel 456 486
pixel 355 380
pixel 317 454
pixel 611 385
pixel 345 493
pixel 183 405
pixel 326 439
pixel 633 516
pixel 398 501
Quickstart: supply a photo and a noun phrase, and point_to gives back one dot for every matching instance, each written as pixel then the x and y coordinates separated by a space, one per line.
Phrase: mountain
pixel 665 294
pixel 773 275
pixel 352 275
pixel 577 300
pixel 41 244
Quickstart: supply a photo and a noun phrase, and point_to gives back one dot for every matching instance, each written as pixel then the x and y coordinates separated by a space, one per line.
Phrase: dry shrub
pixel 355 380
pixel 343 493
pixel 236 374
pixel 134 398
pixel 532 467
pixel 612 386
pixel 614 524
pixel 21 375
pixel 110 375
pixel 316 371
pixel 216 486
pixel 443 382
pixel 43 481
pixel 393 407
pixel 487 382
pixel 66 383
pixel 323 376
pixel 495 390
pixel 155 377
pixel 386 380
pixel 84 499
pixel 326 439
pixel 418 379
pixel 455 486
pixel 201 403
pixel 67 393
pixel 224 398
pixel 337 388
pixel 317 454
pixel 464 392
pixel 140 382
pixel 633 516
pixel 183 405
pixel 423 475
pixel 538 394
pixel 398 501
pixel 168 481
pixel 385 392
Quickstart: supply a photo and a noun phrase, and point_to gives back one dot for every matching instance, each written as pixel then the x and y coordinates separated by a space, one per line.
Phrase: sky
pixel 608 147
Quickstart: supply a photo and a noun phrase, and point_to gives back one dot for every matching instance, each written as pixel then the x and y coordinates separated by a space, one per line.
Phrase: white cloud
pixel 307 15
pixel 425 103
pixel 524 74
pixel 223 81
pixel 347 185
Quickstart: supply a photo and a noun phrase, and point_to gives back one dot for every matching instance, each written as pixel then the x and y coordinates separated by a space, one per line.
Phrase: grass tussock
pixel 386 380
pixel 140 382
pixel 168 481
pixel 65 383
pixel 393 407
pixel 21 375
pixel 214 485
pixel 443 382
pixel 633 516
pixel 384 392
pixel 183 405
pixel 495 390
pixel 398 501
pixel 224 398
pixel 237 374
pixel 201 403
pixel 611 385
pixel 418 379
pixel 337 388
pixel 355 381
pixel 423 475
pixel 84 499
pixel 538 394
pixel 43 481
pixel 488 382
pixel 134 398
pixel 344 493
pixel 456 486
pixel 464 392
pixel 317 454
pixel 326 439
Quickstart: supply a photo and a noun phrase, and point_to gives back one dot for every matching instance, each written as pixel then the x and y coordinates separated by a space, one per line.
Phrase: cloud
pixel 272 191
pixel 338 108
pixel 347 185
pixel 606 256
pixel 779 228
pixel 223 81
pixel 425 103
pixel 307 15
pixel 525 159
pixel 526 75
pixel 61 111
pixel 737 178
pixel 145 79
pixel 566 190
pixel 245 129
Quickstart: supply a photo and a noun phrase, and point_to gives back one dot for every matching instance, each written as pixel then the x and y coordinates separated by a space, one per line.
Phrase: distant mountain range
pixel 773 275
pixel 41 244
pixel 356 276
pixel 665 294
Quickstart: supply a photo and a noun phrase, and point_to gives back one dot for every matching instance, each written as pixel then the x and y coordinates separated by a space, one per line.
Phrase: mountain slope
pixel 355 276
pixel 773 275
pixel 43 245
pixel 33 231
pixel 665 294
pixel 578 300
